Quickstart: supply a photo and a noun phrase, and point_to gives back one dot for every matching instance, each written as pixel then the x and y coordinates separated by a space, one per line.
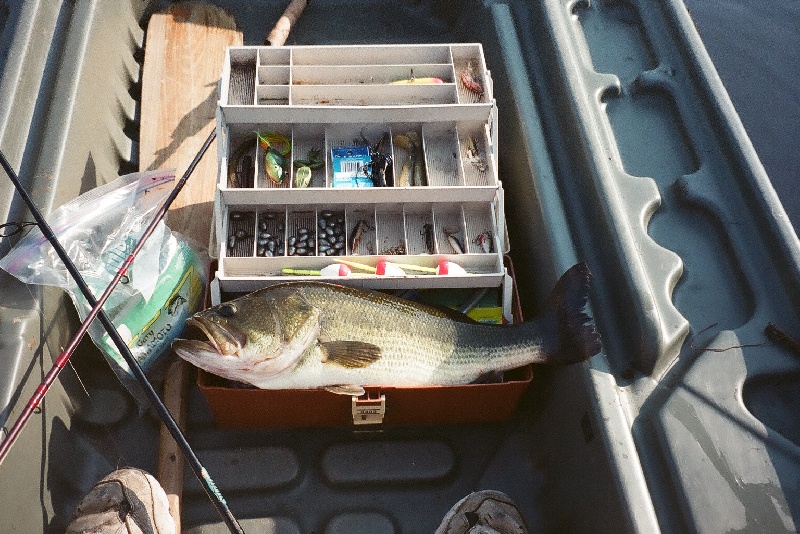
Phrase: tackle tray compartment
pixel 443 202
pixel 270 83
pixel 457 161
pixel 260 242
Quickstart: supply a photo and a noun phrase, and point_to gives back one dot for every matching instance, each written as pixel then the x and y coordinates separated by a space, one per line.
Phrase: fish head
pixel 252 337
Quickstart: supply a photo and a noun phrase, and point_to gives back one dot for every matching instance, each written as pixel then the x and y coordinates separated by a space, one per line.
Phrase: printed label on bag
pixel 350 164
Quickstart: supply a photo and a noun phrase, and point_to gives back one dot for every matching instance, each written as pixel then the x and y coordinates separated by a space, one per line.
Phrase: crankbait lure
pixel 277 148
pixel 468 80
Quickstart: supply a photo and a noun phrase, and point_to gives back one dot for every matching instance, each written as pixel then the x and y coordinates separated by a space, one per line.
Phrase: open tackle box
pixel 429 109
pixel 399 145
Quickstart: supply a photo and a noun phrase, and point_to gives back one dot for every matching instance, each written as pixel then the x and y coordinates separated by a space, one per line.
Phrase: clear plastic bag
pixel 163 286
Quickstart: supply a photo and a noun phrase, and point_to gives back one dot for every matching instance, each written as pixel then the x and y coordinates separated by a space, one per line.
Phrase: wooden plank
pixel 184 51
pixel 170 457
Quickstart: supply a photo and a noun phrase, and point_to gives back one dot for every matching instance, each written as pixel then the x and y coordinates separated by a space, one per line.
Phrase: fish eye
pixel 227 310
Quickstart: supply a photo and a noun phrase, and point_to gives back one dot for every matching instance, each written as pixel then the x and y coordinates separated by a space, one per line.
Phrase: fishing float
pixel 335 269
pixel 387 268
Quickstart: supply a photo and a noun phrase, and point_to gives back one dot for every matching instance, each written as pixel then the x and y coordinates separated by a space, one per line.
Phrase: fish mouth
pixel 203 355
pixel 225 340
pixel 192 348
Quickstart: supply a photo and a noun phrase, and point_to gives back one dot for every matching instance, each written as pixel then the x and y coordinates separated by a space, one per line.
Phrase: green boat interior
pixel 616 145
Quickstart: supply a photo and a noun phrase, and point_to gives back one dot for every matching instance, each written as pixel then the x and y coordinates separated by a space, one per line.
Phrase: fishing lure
pixel 312 161
pixel 448 268
pixel 241 171
pixel 387 268
pixel 356 234
pixel 430 240
pixel 473 156
pixel 413 80
pixel 335 269
pixel 418 169
pixel 379 165
pixel 453 240
pixel 276 147
pixel 304 167
pixel 397 250
pixel 468 80
pixel 406 142
pixel 274 166
pixel 302 177
pixel 484 240
pixel 275 142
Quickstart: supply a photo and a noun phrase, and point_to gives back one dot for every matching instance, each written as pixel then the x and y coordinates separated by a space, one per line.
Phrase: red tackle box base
pixel 260 408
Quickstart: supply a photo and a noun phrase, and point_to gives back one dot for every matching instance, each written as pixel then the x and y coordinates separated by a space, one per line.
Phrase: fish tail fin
pixel 575 338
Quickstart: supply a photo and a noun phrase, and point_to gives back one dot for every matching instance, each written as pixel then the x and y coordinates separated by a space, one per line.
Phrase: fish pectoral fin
pixel 346 389
pixel 350 354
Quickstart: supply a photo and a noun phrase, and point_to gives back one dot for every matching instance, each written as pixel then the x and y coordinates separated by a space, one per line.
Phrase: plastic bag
pixel 163 286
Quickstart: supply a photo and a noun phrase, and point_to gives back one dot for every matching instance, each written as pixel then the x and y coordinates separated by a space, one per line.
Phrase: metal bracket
pixel 368 410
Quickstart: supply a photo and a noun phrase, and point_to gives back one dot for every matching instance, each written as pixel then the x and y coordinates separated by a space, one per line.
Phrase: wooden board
pixel 184 51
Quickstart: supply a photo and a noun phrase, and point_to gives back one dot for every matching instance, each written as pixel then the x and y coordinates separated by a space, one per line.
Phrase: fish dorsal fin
pixel 350 354
pixel 346 389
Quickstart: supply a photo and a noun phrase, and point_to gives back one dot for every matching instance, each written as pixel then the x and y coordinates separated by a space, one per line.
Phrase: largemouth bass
pixel 301 335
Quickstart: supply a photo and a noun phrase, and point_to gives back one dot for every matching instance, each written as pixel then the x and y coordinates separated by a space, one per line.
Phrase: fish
pixel 317 335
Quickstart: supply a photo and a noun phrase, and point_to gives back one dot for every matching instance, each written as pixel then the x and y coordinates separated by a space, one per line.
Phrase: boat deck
pixel 617 145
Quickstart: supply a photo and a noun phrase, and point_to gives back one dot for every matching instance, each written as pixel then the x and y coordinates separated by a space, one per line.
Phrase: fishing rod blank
pixel 97 312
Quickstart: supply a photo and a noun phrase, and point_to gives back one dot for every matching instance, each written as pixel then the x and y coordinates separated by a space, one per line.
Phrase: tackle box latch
pixel 369 408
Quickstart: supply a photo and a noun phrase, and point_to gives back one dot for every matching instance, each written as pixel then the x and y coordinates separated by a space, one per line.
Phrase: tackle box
pixel 429 109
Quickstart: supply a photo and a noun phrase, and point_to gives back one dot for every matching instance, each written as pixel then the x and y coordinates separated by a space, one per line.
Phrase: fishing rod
pixel 97 312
